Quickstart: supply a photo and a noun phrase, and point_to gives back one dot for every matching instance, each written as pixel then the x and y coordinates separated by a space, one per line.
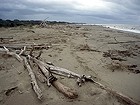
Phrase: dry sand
pixel 79 49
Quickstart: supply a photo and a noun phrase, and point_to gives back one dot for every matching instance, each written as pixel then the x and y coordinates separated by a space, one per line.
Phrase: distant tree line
pixel 16 22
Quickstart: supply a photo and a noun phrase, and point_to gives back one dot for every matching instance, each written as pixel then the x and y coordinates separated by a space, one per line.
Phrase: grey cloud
pixel 121 11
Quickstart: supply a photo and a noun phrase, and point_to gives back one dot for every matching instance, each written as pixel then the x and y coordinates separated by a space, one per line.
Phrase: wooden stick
pixel 43 69
pixel 68 92
pixel 37 57
pixel 6 51
pixel 62 71
pixel 33 80
pixel 121 96
pixel 22 50
pixel 6 37
pixel 31 51
pixel 3 38
pixel 123 42
pixel 40 76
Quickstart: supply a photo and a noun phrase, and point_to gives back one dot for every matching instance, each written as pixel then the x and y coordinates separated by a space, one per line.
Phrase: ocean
pixel 123 27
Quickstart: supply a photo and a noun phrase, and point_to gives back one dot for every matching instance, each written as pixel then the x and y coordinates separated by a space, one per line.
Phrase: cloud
pixel 89 11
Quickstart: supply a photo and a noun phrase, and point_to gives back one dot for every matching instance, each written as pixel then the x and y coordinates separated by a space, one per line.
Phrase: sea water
pixel 124 27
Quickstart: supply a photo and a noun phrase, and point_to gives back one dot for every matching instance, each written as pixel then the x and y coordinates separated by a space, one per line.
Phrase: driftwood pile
pixel 86 47
pixel 119 66
pixel 46 71
pixel 5 39
pixel 44 23
pixel 118 56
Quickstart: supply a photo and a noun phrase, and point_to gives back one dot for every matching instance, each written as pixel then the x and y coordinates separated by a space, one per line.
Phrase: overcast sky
pixel 86 11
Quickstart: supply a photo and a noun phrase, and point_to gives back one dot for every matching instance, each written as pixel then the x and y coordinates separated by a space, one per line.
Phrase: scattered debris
pixel 2 39
pixel 44 23
pixel 121 67
pixel 33 80
pixel 31 31
pixel 2 67
pixel 118 55
pixel 48 70
pixel 86 47
pixel 10 91
pixel 28 46
pixel 122 42
pixel 112 53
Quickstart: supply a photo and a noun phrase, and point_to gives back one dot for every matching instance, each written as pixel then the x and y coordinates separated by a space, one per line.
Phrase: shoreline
pixel 126 30
pixel 116 27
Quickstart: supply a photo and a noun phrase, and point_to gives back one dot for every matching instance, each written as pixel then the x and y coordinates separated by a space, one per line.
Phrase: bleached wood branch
pixel 43 69
pixel 33 80
pixel 123 42
pixel 62 71
pixel 119 95
pixel 38 55
pixel 22 50
pixel 40 76
pixel 6 51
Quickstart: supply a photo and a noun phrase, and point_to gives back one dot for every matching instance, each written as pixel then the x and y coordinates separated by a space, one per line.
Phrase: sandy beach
pixel 111 56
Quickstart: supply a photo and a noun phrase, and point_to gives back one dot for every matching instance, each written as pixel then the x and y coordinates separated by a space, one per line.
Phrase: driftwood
pixel 3 38
pixel 86 47
pixel 118 55
pixel 119 95
pixel 6 51
pixel 28 46
pixel 33 80
pixel 42 68
pixel 122 66
pixel 44 23
pixel 122 42
pixel 67 73
pixel 64 72
pixel 68 92
pixel 54 69
pixel 40 76
pixel 10 91
pixel 38 56
pixel 22 50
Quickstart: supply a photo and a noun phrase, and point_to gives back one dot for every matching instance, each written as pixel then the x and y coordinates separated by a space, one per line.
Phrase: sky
pixel 83 11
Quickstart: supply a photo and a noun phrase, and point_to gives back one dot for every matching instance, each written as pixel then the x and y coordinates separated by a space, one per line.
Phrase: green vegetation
pixel 16 22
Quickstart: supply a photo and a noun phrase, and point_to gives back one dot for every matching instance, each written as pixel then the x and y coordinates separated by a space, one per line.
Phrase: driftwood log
pixel 45 72
pixel 40 76
pixel 122 42
pixel 68 92
pixel 119 95
pixel 45 67
pixel 5 38
pixel 33 80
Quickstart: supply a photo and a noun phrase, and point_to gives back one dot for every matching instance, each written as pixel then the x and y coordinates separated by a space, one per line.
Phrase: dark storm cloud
pixel 95 11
